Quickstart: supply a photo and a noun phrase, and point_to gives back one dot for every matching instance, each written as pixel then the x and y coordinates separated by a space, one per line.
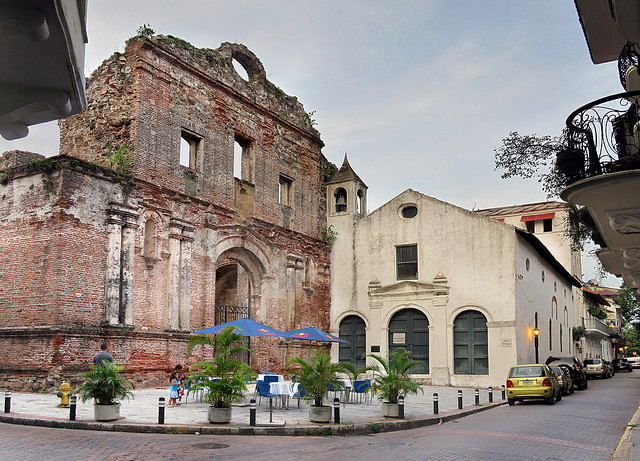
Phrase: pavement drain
pixel 210 446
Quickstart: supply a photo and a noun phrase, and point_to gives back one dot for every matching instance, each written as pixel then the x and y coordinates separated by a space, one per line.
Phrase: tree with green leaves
pixel 393 378
pixel 630 308
pixel 224 376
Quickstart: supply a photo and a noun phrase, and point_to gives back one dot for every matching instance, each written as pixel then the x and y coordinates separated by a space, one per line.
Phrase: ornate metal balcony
pixel 603 137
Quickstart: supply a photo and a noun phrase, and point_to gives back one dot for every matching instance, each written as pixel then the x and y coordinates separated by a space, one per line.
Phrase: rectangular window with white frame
pixel 407 262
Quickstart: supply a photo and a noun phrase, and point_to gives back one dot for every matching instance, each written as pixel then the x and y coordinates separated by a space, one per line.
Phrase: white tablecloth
pixel 262 375
pixel 285 389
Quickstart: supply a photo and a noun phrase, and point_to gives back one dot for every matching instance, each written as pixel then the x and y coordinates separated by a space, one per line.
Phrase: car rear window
pixel 592 361
pixel 523 372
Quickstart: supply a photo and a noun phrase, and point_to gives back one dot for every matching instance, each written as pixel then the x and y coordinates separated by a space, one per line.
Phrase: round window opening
pixel 410 211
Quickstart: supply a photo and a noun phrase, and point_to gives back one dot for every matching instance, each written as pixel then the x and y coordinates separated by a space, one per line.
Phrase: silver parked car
pixel 597 367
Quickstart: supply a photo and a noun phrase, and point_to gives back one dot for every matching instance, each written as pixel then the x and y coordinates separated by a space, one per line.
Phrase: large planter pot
pixel 106 412
pixel 219 415
pixel 390 410
pixel 319 414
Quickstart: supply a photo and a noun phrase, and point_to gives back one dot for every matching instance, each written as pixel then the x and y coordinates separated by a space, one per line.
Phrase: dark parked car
pixel 567 370
pixel 577 370
pixel 564 379
pixel 621 364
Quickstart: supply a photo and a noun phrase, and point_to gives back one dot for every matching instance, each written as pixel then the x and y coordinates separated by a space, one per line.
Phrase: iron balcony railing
pixel 603 136
pixel 597 325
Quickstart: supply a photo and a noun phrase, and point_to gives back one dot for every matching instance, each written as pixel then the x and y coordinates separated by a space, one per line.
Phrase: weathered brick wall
pixel 55 219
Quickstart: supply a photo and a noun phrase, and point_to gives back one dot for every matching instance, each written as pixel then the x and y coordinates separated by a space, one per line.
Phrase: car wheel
pixel 512 402
pixel 585 385
pixel 558 397
pixel 551 400
pixel 572 389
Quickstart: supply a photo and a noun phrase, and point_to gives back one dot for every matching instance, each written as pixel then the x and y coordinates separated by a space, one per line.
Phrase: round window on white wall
pixel 409 211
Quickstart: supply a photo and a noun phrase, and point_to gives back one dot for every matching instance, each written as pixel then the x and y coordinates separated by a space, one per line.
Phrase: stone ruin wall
pixel 61 214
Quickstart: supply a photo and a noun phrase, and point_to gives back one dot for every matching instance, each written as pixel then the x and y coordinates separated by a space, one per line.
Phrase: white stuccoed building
pixel 462 291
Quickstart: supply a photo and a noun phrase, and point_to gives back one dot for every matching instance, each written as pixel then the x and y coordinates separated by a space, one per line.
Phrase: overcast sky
pixel 418 93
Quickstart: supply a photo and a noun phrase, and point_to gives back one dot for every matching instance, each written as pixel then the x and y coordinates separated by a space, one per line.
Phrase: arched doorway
pixel 353 329
pixel 233 293
pixel 470 344
pixel 409 328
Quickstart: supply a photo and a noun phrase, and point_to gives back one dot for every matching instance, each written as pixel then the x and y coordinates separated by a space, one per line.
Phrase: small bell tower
pixel 346 194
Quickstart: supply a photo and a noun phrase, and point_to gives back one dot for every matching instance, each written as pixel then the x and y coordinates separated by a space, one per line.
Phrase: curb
pixel 364 428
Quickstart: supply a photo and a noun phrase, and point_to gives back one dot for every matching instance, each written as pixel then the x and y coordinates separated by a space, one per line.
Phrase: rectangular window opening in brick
pixel 285 190
pixel 190 146
pixel 242 161
pixel 407 262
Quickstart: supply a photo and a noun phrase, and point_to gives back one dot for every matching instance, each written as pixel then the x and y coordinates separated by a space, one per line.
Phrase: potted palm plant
pixel 317 376
pixel 106 385
pixel 393 379
pixel 223 379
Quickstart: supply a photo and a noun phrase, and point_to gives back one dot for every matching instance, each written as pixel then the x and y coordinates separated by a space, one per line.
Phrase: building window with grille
pixel 407 262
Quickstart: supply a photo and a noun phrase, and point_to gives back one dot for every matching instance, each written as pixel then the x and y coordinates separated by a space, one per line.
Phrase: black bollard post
pixel 490 394
pixel 435 403
pixel 252 412
pixel 504 392
pixel 477 397
pixel 73 402
pixel 401 407
pixel 336 410
pixel 459 399
pixel 7 401
pixel 270 409
pixel 161 410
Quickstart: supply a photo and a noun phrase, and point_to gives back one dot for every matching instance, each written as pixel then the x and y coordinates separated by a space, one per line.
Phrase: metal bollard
pixel 161 410
pixel 252 412
pixel 477 397
pixel 435 403
pixel 459 399
pixel 73 402
pixel 336 410
pixel 490 394
pixel 504 392
pixel 401 407
pixel 7 401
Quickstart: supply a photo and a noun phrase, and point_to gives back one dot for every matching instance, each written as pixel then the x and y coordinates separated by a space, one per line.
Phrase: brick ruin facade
pixel 118 239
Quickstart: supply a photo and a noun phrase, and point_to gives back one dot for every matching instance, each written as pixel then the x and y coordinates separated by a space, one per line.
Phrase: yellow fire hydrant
pixel 63 393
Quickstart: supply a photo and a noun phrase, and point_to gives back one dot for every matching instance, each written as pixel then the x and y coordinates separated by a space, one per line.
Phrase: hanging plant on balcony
pixel 579 333
pixel 597 312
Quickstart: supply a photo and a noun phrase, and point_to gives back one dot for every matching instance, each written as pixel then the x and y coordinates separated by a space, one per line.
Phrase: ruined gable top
pixel 216 66
pixel 346 173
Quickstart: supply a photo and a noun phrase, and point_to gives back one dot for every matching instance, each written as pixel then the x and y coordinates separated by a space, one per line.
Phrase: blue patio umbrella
pixel 314 334
pixel 245 327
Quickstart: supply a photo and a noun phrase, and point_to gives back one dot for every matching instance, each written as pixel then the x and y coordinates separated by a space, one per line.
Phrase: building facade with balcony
pixel 601 162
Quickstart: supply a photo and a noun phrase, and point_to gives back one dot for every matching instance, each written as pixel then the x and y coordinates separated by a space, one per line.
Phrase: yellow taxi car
pixel 533 381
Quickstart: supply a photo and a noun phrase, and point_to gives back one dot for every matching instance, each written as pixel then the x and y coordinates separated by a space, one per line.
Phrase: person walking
pixel 102 356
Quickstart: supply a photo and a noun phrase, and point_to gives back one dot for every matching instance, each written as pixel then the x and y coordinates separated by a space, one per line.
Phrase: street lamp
pixel 536 332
